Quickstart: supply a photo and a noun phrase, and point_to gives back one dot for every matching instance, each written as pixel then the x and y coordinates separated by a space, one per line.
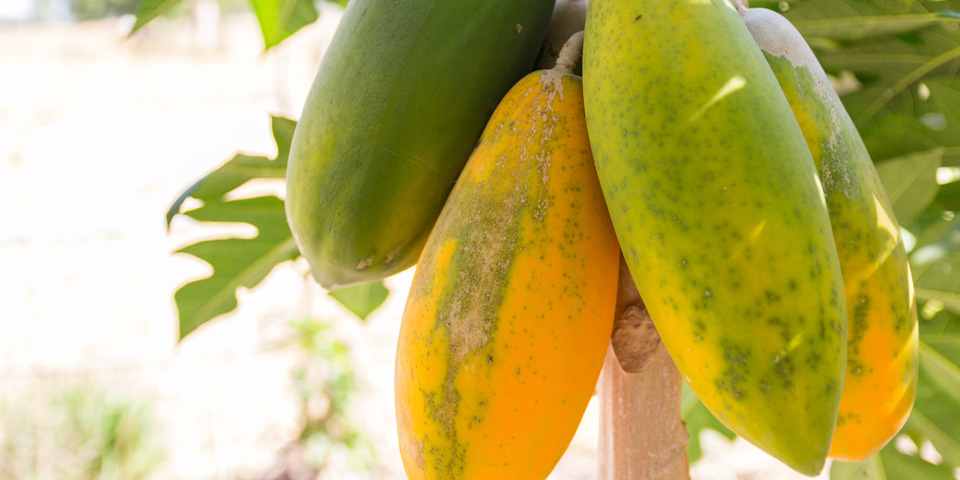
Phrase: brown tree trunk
pixel 641 433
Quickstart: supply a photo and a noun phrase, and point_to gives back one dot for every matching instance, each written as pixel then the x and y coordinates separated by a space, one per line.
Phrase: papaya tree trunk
pixel 641 432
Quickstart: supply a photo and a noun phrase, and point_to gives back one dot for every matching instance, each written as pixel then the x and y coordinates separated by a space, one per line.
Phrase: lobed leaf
pixel 281 18
pixel 236 262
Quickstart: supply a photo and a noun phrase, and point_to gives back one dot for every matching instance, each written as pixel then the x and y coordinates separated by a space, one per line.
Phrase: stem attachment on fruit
pixel 740 5
pixel 570 54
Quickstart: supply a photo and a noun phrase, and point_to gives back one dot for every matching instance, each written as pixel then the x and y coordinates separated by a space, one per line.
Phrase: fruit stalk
pixel 641 432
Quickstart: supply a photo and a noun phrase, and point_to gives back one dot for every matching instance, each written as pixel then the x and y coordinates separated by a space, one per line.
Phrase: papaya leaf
pixel 855 26
pixel 236 262
pixel 361 299
pixel 698 418
pixel 871 468
pixel 281 18
pixel 240 262
pixel 941 369
pixel 848 21
pixel 240 169
pixel 941 322
pixel 915 123
pixel 948 197
pixel 948 299
pixel 939 281
pixel 890 464
pixel 911 182
pixel 150 9
pixel 934 415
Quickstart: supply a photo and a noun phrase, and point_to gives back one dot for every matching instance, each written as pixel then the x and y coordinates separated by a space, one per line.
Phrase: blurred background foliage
pixel 78 432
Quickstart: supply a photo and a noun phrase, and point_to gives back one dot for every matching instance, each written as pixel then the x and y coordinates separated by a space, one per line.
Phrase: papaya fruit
pixel 511 308
pixel 403 92
pixel 882 338
pixel 722 220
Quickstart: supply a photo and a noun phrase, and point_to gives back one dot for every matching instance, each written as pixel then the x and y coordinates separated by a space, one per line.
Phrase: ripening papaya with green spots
pixel 511 309
pixel 882 338
pixel 401 98
pixel 721 217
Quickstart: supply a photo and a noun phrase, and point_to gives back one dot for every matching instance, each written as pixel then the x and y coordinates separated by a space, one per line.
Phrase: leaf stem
pixel 905 82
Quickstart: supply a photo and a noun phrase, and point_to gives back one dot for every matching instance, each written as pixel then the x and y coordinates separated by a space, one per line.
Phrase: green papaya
pixel 403 93
pixel 882 337
pixel 721 217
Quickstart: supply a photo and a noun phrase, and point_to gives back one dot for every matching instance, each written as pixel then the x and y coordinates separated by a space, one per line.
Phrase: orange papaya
pixel 882 339
pixel 511 308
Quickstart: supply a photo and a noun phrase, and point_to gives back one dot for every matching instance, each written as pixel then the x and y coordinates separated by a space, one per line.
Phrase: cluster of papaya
pixel 703 140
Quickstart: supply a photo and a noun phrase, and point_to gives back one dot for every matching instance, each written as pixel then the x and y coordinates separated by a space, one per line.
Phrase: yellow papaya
pixel 882 341
pixel 511 308
pixel 721 217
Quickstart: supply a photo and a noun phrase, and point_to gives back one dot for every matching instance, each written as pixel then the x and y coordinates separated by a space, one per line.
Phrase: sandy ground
pixel 97 136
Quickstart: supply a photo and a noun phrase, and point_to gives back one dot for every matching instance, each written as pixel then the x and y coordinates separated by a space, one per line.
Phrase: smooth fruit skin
pixel 882 339
pixel 722 221
pixel 402 95
pixel 511 309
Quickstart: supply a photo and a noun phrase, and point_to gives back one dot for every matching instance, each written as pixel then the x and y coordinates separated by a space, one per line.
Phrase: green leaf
pixel 239 262
pixel 948 197
pixel 855 20
pixel 236 262
pixel 854 26
pixel 281 18
pixel 283 129
pixel 934 415
pixel 911 182
pixel 940 280
pixel 941 322
pixel 890 464
pixel 150 9
pixel 912 123
pixel 900 466
pixel 698 418
pixel 361 299
pixel 239 170
pixel 950 300
pixel 941 370
pixel 869 469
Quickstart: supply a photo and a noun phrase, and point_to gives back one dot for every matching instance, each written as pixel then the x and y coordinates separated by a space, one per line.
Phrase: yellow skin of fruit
pixel 882 338
pixel 511 308
pixel 722 221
